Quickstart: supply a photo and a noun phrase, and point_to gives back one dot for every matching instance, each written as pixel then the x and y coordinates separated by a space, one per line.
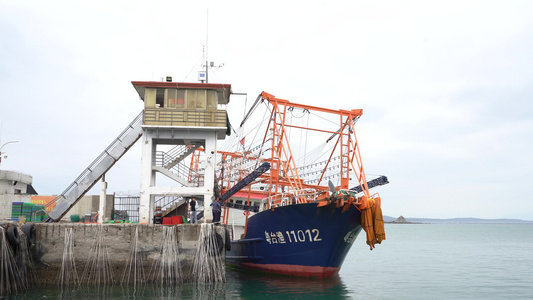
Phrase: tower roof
pixel 224 90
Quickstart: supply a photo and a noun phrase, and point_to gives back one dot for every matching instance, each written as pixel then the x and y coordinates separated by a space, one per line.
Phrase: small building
pixel 17 187
pixel 15 183
pixel 14 187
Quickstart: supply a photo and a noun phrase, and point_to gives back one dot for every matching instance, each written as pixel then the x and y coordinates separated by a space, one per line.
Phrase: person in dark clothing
pixel 192 204
pixel 216 210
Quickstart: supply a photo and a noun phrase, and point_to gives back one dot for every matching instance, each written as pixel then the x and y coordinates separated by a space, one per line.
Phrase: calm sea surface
pixel 417 261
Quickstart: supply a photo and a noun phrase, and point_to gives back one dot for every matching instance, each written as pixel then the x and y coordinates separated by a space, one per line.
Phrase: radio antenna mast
pixel 206 44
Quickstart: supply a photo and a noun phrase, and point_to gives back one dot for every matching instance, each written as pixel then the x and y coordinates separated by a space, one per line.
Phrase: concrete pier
pixel 117 239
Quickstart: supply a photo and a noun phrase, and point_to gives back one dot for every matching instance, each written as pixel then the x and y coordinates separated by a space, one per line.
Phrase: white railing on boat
pixel 287 199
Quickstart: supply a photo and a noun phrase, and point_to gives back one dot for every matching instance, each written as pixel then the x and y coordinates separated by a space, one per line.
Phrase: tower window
pixel 160 98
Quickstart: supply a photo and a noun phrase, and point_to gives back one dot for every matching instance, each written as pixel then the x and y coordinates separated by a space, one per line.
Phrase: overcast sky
pixel 446 86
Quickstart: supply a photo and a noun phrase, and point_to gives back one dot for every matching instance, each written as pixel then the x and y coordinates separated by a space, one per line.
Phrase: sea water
pixel 416 261
pixel 444 261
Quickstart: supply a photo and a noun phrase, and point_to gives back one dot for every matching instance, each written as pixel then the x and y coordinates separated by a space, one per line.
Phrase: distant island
pixel 399 220
pixel 403 220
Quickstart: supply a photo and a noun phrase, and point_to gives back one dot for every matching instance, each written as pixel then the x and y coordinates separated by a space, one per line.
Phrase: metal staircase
pixel 178 153
pixel 90 176
pixel 171 165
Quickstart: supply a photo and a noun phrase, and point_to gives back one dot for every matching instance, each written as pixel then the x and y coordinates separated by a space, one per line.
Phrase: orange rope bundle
pixel 372 223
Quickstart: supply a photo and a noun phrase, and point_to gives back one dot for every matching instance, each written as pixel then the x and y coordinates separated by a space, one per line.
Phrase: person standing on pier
pixel 216 210
pixel 193 211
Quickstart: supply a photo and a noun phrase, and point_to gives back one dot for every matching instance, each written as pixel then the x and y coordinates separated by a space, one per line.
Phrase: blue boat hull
pixel 299 240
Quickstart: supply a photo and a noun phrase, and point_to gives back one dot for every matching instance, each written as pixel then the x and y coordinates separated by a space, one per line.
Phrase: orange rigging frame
pixel 282 159
pixel 283 176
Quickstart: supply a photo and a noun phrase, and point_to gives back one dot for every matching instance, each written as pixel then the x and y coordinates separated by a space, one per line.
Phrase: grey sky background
pixel 446 86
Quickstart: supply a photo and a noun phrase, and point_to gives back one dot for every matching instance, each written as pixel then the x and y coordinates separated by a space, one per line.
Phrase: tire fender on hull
pixel 228 240
pixel 29 231
pixel 218 244
pixel 12 235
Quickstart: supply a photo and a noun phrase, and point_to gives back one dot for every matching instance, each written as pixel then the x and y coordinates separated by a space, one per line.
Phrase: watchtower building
pixel 180 118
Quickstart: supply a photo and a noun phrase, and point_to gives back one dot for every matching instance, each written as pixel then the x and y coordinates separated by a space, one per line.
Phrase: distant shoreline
pixel 403 220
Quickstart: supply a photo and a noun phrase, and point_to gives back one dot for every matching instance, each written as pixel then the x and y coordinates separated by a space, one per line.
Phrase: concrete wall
pixel 6 202
pixel 118 239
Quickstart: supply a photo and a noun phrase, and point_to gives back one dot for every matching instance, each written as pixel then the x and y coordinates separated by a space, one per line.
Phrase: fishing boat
pixel 302 207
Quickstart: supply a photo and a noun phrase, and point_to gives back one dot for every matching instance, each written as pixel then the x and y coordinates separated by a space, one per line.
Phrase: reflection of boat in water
pixel 282 287
pixel 302 225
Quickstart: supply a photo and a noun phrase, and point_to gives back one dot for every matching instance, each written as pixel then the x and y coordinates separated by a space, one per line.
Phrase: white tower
pixel 180 120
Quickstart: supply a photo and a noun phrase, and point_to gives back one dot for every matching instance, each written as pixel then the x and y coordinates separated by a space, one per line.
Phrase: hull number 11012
pixel 304 236
pixel 293 236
